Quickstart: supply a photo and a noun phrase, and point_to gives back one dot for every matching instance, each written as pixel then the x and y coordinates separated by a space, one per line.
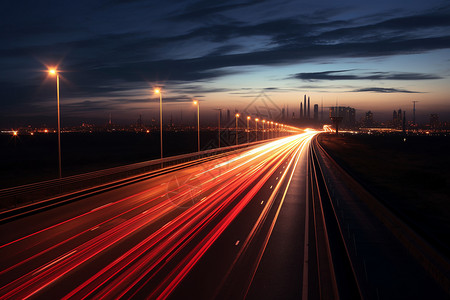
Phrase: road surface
pixel 198 232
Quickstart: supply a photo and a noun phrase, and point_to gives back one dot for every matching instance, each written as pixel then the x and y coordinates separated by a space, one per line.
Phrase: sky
pixel 371 55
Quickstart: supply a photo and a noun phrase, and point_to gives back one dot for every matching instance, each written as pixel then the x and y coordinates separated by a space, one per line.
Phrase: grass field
pixel 410 174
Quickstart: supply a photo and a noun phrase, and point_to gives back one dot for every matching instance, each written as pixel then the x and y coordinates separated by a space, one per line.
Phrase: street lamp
pixel 198 124
pixel 277 130
pixel 248 130
pixel 256 129
pixel 55 72
pixel 264 121
pixel 158 91
pixel 237 117
pixel 271 129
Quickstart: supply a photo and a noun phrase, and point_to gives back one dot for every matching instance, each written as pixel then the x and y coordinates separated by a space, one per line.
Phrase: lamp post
pixel 158 91
pixel 55 72
pixel 271 129
pixel 198 124
pixel 219 117
pixel 248 130
pixel 256 129
pixel 237 117
pixel 264 122
pixel 276 130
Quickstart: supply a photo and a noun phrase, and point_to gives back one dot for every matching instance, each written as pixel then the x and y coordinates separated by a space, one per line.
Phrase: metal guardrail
pixel 337 277
pixel 14 197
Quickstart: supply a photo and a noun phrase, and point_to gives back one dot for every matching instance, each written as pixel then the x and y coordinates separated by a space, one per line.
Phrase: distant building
pixel 347 114
pixel 309 115
pixel 397 119
pixel 434 121
pixel 368 119
pixel 316 112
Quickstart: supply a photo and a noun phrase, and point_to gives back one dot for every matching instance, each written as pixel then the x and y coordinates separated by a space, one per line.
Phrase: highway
pixel 213 230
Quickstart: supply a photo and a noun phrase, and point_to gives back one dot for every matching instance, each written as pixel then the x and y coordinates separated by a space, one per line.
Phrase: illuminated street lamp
pixel 219 116
pixel 55 72
pixel 264 122
pixel 237 117
pixel 198 124
pixel 256 129
pixel 271 129
pixel 158 91
pixel 248 130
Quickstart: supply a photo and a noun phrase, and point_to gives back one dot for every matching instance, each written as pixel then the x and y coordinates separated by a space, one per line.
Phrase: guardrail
pixel 336 274
pixel 14 197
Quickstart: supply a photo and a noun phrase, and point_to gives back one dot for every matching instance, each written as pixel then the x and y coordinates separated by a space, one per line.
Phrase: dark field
pixel 411 177
pixel 26 159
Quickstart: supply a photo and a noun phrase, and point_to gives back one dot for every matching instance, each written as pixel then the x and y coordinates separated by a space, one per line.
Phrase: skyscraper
pixel 304 106
pixel 316 112
pixel 301 110
pixel 309 114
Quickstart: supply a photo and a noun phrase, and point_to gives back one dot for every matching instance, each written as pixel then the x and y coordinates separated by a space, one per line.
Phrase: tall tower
pixel 309 113
pixel 301 110
pixel 316 112
pixel 304 106
pixel 321 112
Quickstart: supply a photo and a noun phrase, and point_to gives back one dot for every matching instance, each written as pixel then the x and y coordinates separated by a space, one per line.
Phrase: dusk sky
pixel 371 55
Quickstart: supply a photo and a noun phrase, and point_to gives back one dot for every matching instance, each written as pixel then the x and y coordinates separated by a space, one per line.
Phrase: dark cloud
pixel 122 47
pixel 384 90
pixel 199 10
pixel 346 75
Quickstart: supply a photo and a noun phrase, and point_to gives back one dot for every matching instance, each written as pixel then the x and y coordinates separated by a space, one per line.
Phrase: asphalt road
pixel 220 229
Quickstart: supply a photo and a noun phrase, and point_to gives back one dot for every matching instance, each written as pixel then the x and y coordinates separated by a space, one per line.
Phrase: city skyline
pixel 112 54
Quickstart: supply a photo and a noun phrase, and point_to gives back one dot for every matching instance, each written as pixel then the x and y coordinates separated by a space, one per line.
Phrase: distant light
pixel 46 130
pixel 15 133
pixel 248 118
pixel 237 115
pixel 195 102
pixel 148 131
pixel 31 133
pixel 52 71
pixel 264 121
pixel 157 91
pixel 256 119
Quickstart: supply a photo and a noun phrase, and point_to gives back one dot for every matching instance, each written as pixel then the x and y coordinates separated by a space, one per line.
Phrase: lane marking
pixel 95 228
pixel 262 202
pixel 237 243
pixel 271 186
pixel 203 199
